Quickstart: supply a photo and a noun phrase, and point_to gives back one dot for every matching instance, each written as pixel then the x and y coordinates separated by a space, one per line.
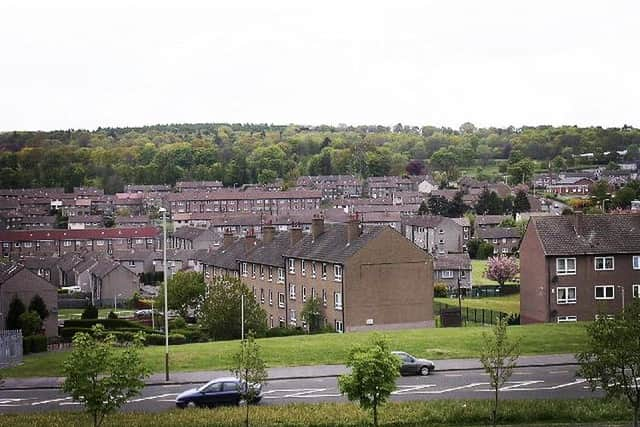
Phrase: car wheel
pixel 191 405
pixel 424 371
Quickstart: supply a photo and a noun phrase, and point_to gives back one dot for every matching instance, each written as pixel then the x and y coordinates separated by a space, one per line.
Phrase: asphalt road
pixel 553 382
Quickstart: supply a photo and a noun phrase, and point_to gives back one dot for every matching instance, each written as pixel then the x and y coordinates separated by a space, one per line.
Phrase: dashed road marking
pixel 44 402
pixel 141 399
pixel 411 389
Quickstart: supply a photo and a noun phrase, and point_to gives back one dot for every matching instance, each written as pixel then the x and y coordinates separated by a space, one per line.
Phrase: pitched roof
pixel 226 257
pixel 244 195
pixel 132 254
pixel 94 233
pixel 426 221
pixel 490 219
pixel 332 245
pixel 36 262
pixel 190 233
pixel 593 234
pixel 452 262
pixel 499 233
pixel 8 270
pixel 104 267
pixel 269 253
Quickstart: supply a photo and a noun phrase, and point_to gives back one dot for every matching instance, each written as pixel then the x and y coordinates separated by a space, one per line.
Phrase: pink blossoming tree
pixel 502 269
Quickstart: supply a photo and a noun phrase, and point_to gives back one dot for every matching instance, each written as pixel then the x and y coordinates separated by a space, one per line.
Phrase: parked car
pixel 71 289
pixel 221 391
pixel 412 365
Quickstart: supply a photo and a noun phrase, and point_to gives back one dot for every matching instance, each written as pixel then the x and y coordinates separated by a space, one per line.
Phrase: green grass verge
pixel 435 343
pixel 477 273
pixel 506 304
pixel 433 413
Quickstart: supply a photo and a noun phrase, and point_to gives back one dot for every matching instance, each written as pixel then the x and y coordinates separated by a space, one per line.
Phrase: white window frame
pixel 261 295
pixel 280 275
pixel 337 272
pixel 313 269
pixel 446 274
pixel 604 263
pixel 253 271
pixel 324 297
pixel 635 262
pixel 99 242
pixel 324 271
pixel 304 294
pixel 292 265
pixel 566 299
pixel 270 274
pixel 270 297
pixel 292 291
pixel 567 319
pixel 303 269
pixel 636 291
pixel 27 244
pixel 292 313
pixel 605 288
pixel 132 263
pixel 67 243
pixel 565 270
pixel 339 326
pixel 337 300
pixel 243 269
pixel 281 300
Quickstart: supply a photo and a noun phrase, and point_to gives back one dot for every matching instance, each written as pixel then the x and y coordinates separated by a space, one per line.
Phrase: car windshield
pixel 208 386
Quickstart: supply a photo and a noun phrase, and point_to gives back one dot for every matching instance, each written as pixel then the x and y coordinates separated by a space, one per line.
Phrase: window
pixel 292 291
pixel 324 271
pixel 281 300
pixel 604 263
pixel 339 326
pixel 243 269
pixel 67 243
pixel 441 231
pixel 441 241
pixel 5 244
pixel 292 266
pixel 504 240
pixel 253 271
pixel 337 297
pixel 271 274
pixel 463 273
pixel 605 292
pixel 261 272
pixel 293 315
pixel 302 268
pixel 505 250
pixel 605 316
pixel 139 241
pixel 132 263
pixel 270 298
pixel 495 240
pixel 337 272
pixel 636 291
pixel 566 295
pixel 565 319
pixel 304 294
pixel 313 269
pixel 280 275
pixel 565 266
pixel 324 297
pixel 98 242
pixel 27 244
pixel 446 274
pixel 261 296
pixel 313 293
pixel 636 262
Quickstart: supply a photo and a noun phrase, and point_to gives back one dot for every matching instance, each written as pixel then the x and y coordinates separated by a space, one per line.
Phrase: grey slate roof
pixel 133 255
pixel 8 270
pixel 490 219
pixel 226 257
pixel 332 245
pixel 104 267
pixel 270 253
pixel 189 233
pixel 499 233
pixel 452 262
pixel 34 262
pixel 599 234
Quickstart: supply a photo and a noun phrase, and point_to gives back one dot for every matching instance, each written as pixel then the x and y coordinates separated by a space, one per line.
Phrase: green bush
pixel 192 335
pixel 68 332
pixel 30 323
pixel 440 290
pixel 154 339
pixel 484 251
pixel 26 345
pixel 38 343
pixel 177 323
pixel 123 336
pixel 284 332
pixel 112 315
pixel 90 312
pixel 177 339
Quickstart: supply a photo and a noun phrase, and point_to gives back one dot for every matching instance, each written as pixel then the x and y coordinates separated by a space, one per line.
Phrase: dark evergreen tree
pixel 438 205
pixel 489 203
pixel 91 312
pixel 521 202
pixel 423 209
pixel 37 304
pixel 16 308
pixel 457 208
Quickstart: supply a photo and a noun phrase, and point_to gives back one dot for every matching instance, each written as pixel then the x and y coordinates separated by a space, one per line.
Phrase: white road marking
pixel 44 402
pixel 305 392
pixel 70 403
pixel 453 375
pixel 558 372
pixel 515 385
pixel 447 390
pixel 152 397
pixel 522 373
pixel 409 389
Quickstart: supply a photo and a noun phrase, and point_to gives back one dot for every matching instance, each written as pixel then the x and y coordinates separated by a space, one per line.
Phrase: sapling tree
pixel 100 376
pixel 499 356
pixel 612 356
pixel 374 370
pixel 250 369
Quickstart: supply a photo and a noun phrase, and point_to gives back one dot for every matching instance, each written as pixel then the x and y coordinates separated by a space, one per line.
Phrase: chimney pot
pixel 295 233
pixel 268 232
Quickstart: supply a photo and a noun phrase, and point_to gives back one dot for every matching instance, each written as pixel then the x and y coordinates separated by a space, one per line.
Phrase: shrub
pixel 30 323
pixel 284 332
pixel 90 312
pixel 485 250
pixel 177 339
pixel 26 345
pixel 68 332
pixel 16 308
pixel 112 315
pixel 440 290
pixel 192 335
pixel 177 323
pixel 107 323
pixel 154 339
pixel 38 343
pixel 123 336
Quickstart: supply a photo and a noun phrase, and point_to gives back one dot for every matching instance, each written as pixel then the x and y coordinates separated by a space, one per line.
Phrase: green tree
pixel 91 312
pixel 374 370
pixel 313 314
pixel 489 203
pixel 37 304
pixel 423 209
pixel 30 323
pixel 185 290
pixel 16 308
pixel 220 311
pixel 498 358
pixel 100 376
pixel 521 202
pixel 611 360
pixel 250 369
pixel 521 171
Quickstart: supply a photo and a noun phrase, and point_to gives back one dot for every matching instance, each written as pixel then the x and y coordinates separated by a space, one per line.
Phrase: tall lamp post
pixel 166 317
pixel 622 290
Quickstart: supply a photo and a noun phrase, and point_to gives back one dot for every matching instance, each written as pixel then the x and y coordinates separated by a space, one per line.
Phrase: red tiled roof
pixel 96 233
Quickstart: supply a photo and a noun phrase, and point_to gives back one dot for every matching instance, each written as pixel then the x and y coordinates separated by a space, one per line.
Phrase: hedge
pixel 121 334
pixel 283 332
pixel 158 339
pixel 191 335
pixel 34 344
pixel 107 323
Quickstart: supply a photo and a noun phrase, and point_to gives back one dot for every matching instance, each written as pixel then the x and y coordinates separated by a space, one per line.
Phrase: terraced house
pixel 579 267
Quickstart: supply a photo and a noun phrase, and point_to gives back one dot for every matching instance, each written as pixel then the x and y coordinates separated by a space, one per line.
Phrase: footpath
pixel 290 373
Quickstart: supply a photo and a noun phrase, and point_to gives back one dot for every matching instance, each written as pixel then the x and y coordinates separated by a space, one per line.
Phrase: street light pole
pixel 622 290
pixel 166 317
pixel 242 317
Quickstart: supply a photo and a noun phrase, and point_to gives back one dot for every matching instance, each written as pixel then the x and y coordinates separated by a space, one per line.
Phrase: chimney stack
pixel 578 221
pixel 295 233
pixel 317 226
pixel 353 228
pixel 227 239
pixel 249 240
pixel 268 231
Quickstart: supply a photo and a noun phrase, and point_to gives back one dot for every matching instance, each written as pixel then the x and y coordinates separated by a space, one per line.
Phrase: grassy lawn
pixel 473 412
pixel 477 273
pixel 506 304
pixel 75 313
pixel 436 343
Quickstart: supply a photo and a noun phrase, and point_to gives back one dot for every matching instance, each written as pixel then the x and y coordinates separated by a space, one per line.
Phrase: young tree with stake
pixel 498 358
pixel 250 369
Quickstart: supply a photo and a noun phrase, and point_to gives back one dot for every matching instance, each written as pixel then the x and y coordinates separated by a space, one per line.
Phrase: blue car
pixel 221 391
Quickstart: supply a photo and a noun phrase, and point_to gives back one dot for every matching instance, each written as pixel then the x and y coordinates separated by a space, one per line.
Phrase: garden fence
pixel 10 348
pixel 478 316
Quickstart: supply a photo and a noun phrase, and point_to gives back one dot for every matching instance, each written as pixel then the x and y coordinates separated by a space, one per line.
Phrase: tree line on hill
pixel 109 158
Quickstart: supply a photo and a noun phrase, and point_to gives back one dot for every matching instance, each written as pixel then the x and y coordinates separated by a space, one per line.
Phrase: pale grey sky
pixel 494 63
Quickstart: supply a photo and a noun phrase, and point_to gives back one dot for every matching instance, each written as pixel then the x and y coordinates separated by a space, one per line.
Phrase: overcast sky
pixel 494 63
